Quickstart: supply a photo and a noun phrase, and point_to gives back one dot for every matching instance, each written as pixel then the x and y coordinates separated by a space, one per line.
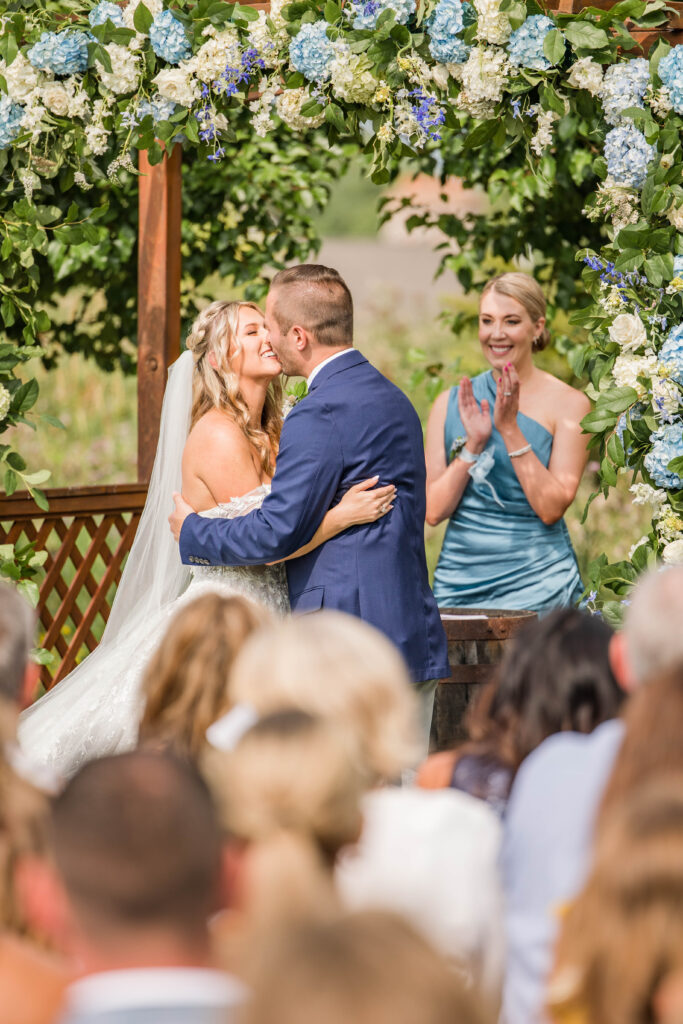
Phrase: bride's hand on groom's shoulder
pixel 179 514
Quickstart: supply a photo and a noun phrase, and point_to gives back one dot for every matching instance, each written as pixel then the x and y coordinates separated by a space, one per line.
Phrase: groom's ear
pixel 301 337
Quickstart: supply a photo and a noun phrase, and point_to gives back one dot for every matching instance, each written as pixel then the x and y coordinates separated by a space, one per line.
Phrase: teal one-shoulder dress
pixel 502 555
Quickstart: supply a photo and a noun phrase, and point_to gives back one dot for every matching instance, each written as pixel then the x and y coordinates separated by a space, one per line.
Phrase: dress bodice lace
pixel 265 584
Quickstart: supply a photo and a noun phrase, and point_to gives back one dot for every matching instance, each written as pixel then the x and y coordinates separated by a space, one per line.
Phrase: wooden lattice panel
pixel 87 534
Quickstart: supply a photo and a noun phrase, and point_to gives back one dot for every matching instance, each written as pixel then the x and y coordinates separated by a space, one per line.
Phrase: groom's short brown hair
pixel 318 299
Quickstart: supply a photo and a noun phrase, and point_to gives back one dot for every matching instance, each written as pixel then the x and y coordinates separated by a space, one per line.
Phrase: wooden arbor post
pixel 160 206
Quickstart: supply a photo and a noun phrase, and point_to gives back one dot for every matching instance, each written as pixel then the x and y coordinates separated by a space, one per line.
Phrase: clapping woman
pixel 505 454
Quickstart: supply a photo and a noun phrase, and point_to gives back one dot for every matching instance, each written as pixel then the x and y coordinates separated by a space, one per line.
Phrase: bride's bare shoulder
pixel 218 456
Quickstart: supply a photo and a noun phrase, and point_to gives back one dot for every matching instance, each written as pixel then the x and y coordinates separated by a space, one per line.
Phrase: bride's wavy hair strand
pixel 214 333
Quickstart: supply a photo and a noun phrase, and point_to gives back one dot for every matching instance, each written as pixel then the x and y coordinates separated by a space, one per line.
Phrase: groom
pixel 352 424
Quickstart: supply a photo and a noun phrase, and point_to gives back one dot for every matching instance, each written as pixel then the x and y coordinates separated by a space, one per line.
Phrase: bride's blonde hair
pixel 214 332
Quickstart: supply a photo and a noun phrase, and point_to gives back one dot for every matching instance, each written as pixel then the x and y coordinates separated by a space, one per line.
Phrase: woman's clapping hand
pixel 476 419
pixel 507 400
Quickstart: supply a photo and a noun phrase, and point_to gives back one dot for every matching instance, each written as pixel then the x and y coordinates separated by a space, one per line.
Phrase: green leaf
pixel 659 269
pixel 41 476
pixel 554 47
pixel 331 12
pixel 30 591
pixel 617 399
pixel 676 465
pixel 25 397
pixel 629 259
pixel 39 656
pixel 598 420
pixel 11 481
pixel 481 134
pixel 335 116
pixel 8 47
pixel 142 19
pixel 15 460
pixel 615 450
pixel 52 421
pixel 583 35
pixel 608 473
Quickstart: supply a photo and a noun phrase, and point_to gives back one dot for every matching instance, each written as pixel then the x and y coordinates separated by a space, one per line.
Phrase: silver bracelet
pixel 467 456
pixel 520 451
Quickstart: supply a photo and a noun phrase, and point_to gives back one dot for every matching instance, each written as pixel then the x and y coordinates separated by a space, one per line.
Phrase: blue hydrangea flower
pixel 106 10
pixel 671 352
pixel 670 71
pixel 311 52
pixel 526 43
pixel 159 107
pixel 62 53
pixel 168 38
pixel 11 115
pixel 445 27
pixel 667 444
pixel 624 85
pixel 628 154
pixel 368 11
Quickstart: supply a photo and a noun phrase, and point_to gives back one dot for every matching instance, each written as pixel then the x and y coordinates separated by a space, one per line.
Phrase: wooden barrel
pixel 476 643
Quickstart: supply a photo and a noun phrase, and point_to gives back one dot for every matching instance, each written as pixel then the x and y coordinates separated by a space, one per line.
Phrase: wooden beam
pixel 158 294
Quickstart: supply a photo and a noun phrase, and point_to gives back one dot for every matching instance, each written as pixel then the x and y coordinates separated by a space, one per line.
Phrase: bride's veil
pixel 154 574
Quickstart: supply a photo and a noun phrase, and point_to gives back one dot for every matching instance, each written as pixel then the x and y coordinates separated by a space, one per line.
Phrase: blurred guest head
pixel 653 739
pixel 336 666
pixel 289 793
pixel 623 937
pixel 186 682
pixel 369 968
pixel 18 675
pixel 23 814
pixel 652 639
pixel 556 677
pixel 137 851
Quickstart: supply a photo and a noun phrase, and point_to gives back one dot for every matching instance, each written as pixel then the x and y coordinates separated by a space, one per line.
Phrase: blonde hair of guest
pixel 623 937
pixel 290 791
pixel 336 666
pixel 185 685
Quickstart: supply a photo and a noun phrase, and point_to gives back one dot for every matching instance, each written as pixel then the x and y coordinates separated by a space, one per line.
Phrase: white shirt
pixel 318 368
pixel 153 987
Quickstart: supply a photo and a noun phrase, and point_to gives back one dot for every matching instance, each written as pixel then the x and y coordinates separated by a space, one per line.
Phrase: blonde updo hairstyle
pixel 333 665
pixel 214 333
pixel 527 291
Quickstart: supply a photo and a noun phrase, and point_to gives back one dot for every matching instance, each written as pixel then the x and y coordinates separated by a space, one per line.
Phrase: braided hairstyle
pixel 214 332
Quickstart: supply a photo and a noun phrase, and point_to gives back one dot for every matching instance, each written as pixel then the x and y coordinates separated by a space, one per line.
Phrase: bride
pixel 218 439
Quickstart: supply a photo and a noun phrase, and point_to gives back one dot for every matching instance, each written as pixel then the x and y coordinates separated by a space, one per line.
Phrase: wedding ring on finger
pixel 507 394
pixel 384 508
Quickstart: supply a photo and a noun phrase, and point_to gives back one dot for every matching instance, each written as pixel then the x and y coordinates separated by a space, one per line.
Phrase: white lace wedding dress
pixel 98 711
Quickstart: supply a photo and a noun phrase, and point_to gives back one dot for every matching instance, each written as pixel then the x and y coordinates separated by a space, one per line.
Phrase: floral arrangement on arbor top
pixel 83 88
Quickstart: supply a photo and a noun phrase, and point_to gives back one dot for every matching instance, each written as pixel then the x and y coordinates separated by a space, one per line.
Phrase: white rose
pixel 673 553
pixel 177 85
pixel 628 331
pixel 21 77
pixel 56 98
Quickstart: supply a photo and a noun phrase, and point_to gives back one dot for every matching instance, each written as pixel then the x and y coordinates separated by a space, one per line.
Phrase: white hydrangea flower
pixel 97 137
pixel 659 100
pixel 29 182
pixel 586 74
pixel 544 131
pixel 56 98
pixel 351 79
pixel 610 298
pixel 21 77
pixel 217 53
pixel 669 524
pixel 153 6
pixel 666 398
pixel 125 70
pixel 627 368
pixel 643 494
pixel 415 68
pixel 675 215
pixel 5 402
pixel 673 553
pixel 178 84
pixel 405 121
pixel 493 25
pixel 269 40
pixel 82 182
pixel 484 77
pixel 628 331
pixel 288 106
pixel 386 133
pixel 34 112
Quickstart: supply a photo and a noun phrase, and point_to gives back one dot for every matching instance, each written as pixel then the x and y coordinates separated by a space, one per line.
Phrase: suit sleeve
pixel 309 469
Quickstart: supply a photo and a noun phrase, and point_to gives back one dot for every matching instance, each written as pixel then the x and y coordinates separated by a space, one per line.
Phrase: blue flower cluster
pixel 231 77
pixel 624 85
pixel 62 53
pixel 311 52
pixel 678 266
pixel 368 11
pixel 445 27
pixel 159 108
pixel 670 71
pixel 10 121
pixel 427 113
pixel 667 444
pixel 671 353
pixel 610 275
pixel 168 38
pixel 526 43
pixel 628 154
pixel 106 10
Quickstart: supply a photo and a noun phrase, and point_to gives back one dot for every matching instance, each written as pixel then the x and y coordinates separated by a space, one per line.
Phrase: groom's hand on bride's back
pixel 179 514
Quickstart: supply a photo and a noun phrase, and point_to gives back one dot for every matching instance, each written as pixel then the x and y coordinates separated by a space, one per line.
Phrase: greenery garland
pixel 86 86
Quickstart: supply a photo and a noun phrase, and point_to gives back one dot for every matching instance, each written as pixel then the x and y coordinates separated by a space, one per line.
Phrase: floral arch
pixel 85 87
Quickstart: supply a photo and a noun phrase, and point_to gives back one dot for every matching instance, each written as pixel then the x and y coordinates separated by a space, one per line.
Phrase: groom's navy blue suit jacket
pixel 353 424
